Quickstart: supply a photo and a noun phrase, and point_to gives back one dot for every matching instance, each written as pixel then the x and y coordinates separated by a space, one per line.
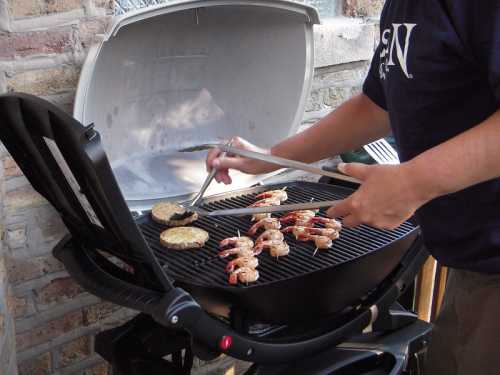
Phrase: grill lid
pixel 192 72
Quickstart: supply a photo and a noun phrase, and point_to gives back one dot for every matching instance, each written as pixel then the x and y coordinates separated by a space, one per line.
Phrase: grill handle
pixel 210 331
pixel 104 279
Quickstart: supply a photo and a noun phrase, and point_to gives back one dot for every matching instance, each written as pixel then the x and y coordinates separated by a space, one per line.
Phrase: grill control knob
pixel 225 342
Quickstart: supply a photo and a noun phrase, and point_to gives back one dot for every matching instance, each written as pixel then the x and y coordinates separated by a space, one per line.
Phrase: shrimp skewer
pixel 258 217
pixel 243 275
pixel 327 222
pixel 268 223
pixel 238 251
pixel 300 231
pixel 279 250
pixel 321 242
pixel 297 230
pixel 275 194
pixel 250 262
pixel 237 242
pixel 266 202
pixel 270 234
pixel 302 216
pixel 326 232
pixel 274 247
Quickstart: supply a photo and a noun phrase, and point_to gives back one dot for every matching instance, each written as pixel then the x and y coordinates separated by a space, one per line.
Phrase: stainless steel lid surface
pixel 191 72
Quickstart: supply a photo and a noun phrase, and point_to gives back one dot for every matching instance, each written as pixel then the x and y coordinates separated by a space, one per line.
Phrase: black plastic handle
pixel 97 281
pixel 211 331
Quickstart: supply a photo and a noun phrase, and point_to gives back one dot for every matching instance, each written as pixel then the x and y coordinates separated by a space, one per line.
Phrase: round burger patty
pixel 182 238
pixel 163 212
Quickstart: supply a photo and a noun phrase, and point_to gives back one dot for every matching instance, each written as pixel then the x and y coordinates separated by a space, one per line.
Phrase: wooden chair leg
pixel 425 289
pixel 439 288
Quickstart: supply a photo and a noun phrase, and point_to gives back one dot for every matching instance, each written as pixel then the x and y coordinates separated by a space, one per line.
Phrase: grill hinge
pixel 177 309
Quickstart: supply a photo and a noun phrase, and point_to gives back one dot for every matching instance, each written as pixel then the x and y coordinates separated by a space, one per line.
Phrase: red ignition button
pixel 225 342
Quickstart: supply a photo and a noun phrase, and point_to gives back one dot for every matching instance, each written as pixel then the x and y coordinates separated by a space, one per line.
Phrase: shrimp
pixel 266 245
pixel 327 222
pixel 238 251
pixel 243 275
pixel 270 234
pixel 326 232
pixel 237 242
pixel 266 202
pixel 251 262
pixel 275 194
pixel 258 217
pixel 279 250
pixel 303 216
pixel 268 223
pixel 297 230
pixel 321 242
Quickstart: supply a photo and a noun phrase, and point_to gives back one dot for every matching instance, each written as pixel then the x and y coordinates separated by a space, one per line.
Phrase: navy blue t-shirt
pixel 437 73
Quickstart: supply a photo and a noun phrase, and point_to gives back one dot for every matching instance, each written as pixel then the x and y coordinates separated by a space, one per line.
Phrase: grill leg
pixel 139 346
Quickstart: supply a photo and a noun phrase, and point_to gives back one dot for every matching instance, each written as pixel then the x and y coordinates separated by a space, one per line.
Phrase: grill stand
pixel 139 347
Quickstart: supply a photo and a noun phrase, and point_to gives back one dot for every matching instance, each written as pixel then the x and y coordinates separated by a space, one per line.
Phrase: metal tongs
pixel 191 205
pixel 286 163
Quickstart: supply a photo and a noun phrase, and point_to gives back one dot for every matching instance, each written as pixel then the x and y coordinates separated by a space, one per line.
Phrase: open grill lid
pixel 192 72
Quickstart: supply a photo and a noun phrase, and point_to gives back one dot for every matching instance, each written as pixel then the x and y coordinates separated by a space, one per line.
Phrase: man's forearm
pixel 465 160
pixel 355 123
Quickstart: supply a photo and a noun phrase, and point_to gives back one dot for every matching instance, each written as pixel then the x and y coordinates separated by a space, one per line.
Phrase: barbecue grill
pixel 293 318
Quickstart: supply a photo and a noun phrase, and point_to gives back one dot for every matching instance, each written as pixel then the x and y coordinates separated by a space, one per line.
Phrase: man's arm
pixel 467 159
pixel 390 195
pixel 353 124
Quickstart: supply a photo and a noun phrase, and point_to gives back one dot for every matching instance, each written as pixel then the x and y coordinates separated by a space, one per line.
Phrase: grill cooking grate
pixel 203 267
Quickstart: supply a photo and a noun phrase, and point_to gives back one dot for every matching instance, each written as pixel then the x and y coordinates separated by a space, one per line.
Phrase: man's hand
pixel 245 165
pixel 386 198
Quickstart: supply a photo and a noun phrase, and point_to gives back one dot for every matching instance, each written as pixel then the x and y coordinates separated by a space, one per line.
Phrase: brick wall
pixel 46 320
pixel 7 338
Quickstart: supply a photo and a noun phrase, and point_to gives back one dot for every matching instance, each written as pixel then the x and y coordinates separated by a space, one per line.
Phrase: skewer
pixel 315 251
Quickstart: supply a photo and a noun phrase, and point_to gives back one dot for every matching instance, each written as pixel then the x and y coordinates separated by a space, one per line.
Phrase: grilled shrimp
pixel 326 232
pixel 270 234
pixel 321 242
pixel 279 250
pixel 266 245
pixel 238 251
pixel 303 216
pixel 266 202
pixel 267 223
pixel 327 222
pixel 258 217
pixel 237 242
pixel 275 194
pixel 297 230
pixel 250 262
pixel 243 275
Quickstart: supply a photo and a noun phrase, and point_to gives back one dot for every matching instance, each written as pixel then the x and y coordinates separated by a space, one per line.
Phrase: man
pixel 435 81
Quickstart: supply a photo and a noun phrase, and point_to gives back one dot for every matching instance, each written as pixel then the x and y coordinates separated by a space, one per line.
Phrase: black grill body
pixel 292 288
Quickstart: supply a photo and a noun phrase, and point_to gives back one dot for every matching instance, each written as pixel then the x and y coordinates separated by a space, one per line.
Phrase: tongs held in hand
pixel 191 204
pixel 282 162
